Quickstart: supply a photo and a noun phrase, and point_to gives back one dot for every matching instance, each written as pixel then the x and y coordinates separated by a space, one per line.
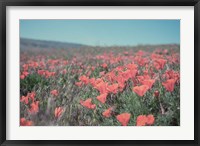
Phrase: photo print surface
pixel 99 72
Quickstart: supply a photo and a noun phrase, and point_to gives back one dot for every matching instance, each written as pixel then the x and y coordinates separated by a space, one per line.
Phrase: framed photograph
pixel 99 72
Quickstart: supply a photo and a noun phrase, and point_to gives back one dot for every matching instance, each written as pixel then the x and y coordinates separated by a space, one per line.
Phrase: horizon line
pixel 100 45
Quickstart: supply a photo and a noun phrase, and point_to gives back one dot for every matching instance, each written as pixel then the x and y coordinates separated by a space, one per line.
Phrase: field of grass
pixel 112 86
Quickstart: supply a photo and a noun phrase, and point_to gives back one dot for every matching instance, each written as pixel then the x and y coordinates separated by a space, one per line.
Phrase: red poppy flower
pixel 141 120
pixel 58 111
pixel 169 85
pixel 88 103
pixel 150 120
pixel 54 92
pixel 149 83
pixel 107 113
pixel 124 118
pixel 102 97
pixel 34 107
pixel 24 122
pixel 141 90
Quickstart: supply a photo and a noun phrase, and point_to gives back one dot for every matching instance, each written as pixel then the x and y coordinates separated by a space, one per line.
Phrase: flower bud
pixel 156 93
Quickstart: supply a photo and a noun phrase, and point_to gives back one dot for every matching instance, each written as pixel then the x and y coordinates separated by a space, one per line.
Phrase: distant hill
pixel 31 44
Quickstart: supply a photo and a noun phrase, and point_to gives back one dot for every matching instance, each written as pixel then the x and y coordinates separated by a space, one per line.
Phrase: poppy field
pixel 100 86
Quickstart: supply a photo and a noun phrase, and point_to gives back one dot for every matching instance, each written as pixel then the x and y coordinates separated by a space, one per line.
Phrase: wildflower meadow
pixel 100 86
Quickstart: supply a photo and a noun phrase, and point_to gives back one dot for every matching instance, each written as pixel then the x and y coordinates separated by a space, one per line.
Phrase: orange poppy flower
pixel 149 83
pixel 92 81
pixel 25 67
pixel 171 74
pixel 34 107
pixel 84 79
pixel 93 68
pixel 104 65
pixel 124 118
pixel 24 99
pixel 159 63
pixel 25 73
pixel 102 73
pixel 142 78
pixel 49 74
pixel 54 92
pixel 113 88
pixel 41 72
pixel 102 97
pixel 101 87
pixel 22 76
pixel 24 122
pixel 107 113
pixel 64 71
pixel 98 80
pixel 141 120
pixel 133 73
pixel 78 84
pixel 31 96
pixel 141 90
pixel 131 66
pixel 88 103
pixel 127 74
pixel 58 111
pixel 121 82
pixel 111 76
pixel 169 85
pixel 150 120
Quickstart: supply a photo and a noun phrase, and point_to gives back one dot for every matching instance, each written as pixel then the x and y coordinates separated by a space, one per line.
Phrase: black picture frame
pixel 5 3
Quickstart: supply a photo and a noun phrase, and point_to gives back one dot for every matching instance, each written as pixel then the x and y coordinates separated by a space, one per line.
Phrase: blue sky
pixel 103 32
